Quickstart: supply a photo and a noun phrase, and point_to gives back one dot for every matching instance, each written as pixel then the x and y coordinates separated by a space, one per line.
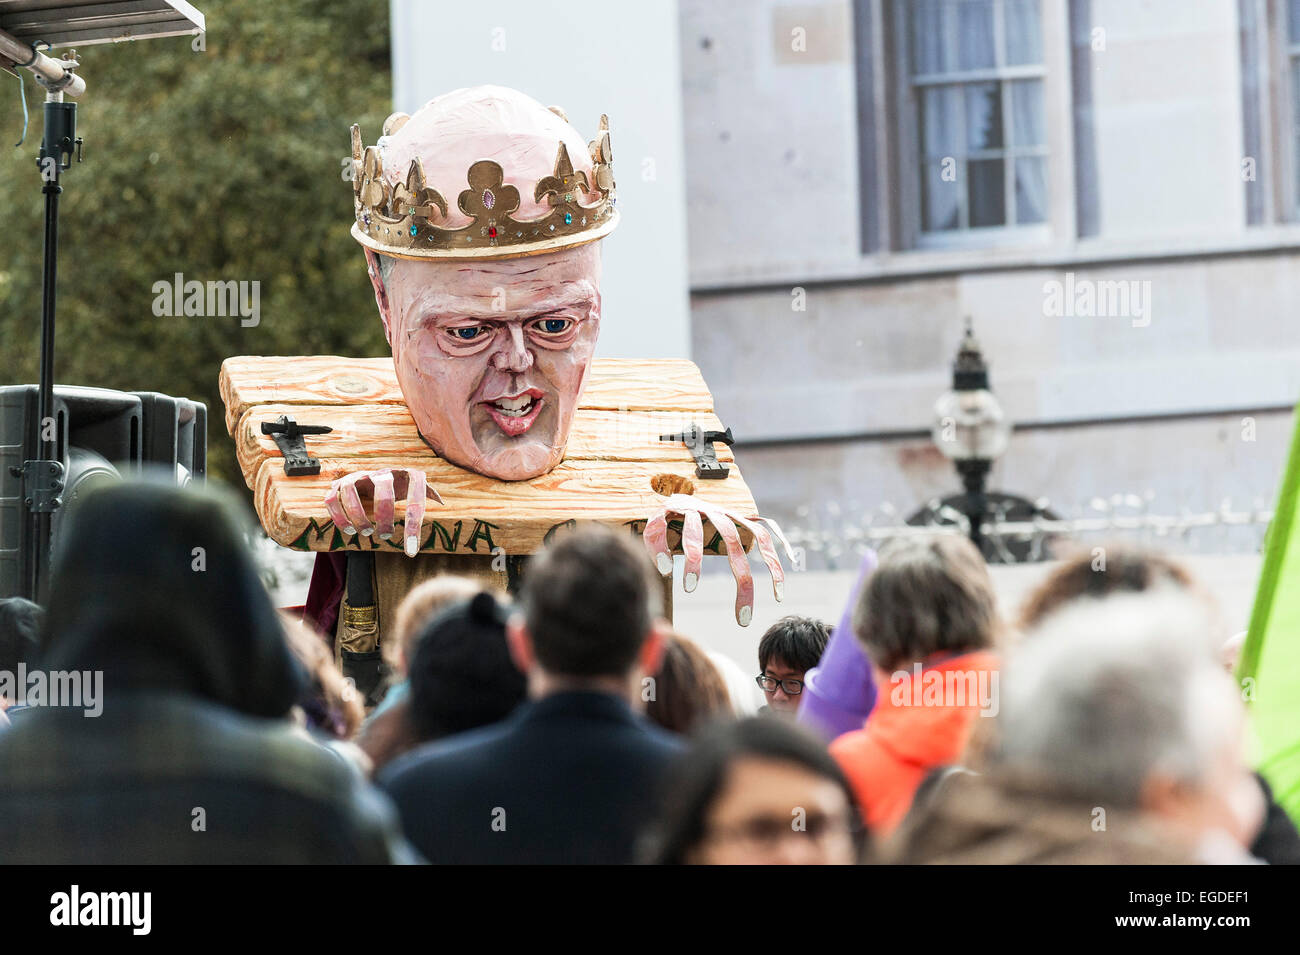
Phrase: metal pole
pixel 973 474
pixel 47 450
pixel 43 478
pixel 50 73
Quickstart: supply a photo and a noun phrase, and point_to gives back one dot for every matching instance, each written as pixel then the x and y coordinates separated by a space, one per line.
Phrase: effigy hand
pixel 691 508
pixel 347 497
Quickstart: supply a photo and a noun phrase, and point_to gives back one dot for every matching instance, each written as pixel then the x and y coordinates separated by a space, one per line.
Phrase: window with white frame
pixel 975 72
pixel 1292 41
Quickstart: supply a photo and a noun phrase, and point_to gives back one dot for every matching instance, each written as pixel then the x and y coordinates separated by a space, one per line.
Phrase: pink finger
pixel 335 510
pixel 351 501
pixel 776 529
pixel 655 536
pixel 415 495
pixel 385 503
pixel 739 564
pixel 693 546
pixel 766 548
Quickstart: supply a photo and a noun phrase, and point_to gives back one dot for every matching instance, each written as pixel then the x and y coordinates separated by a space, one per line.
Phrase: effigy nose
pixel 513 355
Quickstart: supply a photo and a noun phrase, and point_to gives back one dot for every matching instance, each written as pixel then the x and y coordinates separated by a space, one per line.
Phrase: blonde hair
pixel 417 608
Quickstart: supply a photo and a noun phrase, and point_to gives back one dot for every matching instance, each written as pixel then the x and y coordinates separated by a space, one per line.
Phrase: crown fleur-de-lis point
pixel 559 187
pixel 414 197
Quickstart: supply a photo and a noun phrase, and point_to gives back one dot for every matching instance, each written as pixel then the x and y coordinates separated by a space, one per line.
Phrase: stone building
pixel 1107 188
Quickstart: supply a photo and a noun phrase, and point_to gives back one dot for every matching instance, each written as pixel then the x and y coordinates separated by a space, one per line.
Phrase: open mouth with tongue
pixel 515 414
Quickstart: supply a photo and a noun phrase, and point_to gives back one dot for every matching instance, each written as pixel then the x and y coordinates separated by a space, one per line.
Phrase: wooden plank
pixel 249 380
pixel 660 384
pixel 477 516
pixel 366 432
pixel 669 384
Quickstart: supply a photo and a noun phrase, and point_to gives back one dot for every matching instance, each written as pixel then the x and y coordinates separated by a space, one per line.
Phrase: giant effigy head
pixel 480 215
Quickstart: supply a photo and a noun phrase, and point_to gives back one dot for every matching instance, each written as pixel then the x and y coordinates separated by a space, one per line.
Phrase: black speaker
pixel 100 435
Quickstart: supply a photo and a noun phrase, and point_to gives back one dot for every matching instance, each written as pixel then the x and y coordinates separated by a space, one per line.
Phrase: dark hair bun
pixel 483 608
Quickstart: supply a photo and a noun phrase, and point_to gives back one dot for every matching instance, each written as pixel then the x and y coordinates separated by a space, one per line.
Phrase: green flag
pixel 1269 667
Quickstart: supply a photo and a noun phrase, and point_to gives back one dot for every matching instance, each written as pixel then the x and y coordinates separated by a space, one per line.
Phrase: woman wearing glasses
pixel 756 792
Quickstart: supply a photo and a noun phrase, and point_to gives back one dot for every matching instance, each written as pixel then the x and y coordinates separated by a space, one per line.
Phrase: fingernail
pixel 746 614
pixel 349 529
pixel 412 545
pixel 385 537
pixel 367 531
pixel 779 586
pixel 664 563
pixel 692 580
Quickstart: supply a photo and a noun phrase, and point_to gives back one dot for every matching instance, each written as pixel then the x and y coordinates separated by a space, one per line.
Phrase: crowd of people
pixel 571 724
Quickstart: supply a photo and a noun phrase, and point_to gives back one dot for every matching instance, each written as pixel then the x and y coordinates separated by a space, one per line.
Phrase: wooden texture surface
pixel 614 384
pixel 613 472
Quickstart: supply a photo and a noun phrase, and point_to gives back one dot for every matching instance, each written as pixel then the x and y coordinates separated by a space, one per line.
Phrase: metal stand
pixel 43 476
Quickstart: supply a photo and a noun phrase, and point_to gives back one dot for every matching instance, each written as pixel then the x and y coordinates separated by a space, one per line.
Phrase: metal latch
pixel 288 436
pixel 42 485
pixel 700 443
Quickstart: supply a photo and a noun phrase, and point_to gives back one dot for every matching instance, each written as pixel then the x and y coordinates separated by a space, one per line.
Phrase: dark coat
pixel 1278 842
pixel 193 758
pixel 172 779
pixel 571 778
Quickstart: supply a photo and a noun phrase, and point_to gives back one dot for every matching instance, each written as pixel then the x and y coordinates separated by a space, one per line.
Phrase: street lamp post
pixel 971 430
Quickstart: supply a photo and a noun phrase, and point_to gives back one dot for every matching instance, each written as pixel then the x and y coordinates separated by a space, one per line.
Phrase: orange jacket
pixel 916 726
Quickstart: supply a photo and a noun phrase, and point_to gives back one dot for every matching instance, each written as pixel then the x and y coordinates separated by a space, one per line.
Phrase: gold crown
pixel 399 220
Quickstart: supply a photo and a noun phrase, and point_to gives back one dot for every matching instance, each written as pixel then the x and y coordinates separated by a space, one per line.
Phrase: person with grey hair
pixel 1120 742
